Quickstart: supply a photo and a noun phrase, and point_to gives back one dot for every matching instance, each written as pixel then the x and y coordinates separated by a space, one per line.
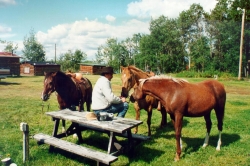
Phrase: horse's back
pixel 195 99
pixel 217 88
pixel 218 93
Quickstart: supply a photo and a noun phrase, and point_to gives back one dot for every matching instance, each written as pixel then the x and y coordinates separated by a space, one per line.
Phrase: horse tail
pixel 220 106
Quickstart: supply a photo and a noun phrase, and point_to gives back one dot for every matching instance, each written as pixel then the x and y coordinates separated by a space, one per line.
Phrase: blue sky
pixel 83 24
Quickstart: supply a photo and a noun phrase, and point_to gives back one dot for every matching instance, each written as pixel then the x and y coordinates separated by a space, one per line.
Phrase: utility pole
pixel 241 43
pixel 55 53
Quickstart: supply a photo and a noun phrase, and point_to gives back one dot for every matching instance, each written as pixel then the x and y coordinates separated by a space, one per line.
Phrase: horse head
pixel 49 85
pixel 138 93
pixel 128 81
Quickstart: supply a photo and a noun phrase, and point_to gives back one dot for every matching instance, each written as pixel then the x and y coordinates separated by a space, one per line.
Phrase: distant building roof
pixel 8 54
pixel 40 63
pixel 92 64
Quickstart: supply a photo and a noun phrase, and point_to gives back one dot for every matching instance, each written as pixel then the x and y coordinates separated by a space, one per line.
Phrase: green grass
pixel 20 102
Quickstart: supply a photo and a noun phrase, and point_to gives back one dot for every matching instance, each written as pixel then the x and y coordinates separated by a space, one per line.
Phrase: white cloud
pixel 169 8
pixel 86 35
pixel 5 32
pixel 4 29
pixel 110 18
pixel 7 2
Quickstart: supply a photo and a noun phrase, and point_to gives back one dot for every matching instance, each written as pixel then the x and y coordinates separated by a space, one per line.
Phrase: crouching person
pixel 103 98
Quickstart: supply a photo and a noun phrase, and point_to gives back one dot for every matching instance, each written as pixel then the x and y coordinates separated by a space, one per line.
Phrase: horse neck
pixel 149 88
pixel 139 75
pixel 64 84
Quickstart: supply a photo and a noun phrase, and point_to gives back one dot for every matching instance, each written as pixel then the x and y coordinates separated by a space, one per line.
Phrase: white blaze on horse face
pixel 124 81
pixel 45 81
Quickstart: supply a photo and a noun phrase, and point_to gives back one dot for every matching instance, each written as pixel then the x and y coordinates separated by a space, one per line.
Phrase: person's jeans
pixel 120 108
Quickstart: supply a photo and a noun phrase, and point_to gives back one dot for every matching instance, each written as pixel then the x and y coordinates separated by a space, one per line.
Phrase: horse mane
pixel 131 67
pixel 179 81
pixel 63 75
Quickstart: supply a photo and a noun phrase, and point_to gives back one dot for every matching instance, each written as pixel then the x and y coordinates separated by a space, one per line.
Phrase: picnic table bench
pixel 118 127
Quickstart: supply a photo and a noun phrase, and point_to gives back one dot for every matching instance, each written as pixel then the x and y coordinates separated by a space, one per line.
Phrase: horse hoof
pixel 204 145
pixel 74 136
pixel 176 159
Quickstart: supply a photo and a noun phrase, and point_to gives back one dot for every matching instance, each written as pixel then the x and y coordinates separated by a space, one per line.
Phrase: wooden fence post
pixel 24 127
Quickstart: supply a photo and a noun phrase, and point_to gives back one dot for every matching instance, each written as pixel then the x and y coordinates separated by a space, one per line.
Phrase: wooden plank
pixel 76 149
pixel 118 125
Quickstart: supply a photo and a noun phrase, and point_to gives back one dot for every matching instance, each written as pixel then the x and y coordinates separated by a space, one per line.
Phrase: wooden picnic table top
pixel 118 125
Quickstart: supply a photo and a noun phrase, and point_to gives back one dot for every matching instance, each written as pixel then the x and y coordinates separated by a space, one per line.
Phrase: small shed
pixel 10 62
pixel 94 69
pixel 29 68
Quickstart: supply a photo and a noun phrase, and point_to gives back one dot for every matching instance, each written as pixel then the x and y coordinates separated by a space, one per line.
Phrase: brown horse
pixel 128 82
pixel 181 98
pixel 70 91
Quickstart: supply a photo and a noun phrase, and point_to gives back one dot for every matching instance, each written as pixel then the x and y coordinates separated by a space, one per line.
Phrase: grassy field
pixel 20 102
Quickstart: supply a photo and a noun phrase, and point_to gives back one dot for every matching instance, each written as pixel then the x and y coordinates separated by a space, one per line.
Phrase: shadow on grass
pixel 73 156
pixel 99 141
pixel 9 83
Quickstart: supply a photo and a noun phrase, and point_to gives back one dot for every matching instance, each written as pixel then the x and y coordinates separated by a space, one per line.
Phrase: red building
pixel 9 63
pixel 91 68
pixel 37 68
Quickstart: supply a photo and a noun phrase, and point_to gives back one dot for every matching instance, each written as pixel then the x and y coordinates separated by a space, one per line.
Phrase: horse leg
pixel 219 115
pixel 88 100
pixel 137 115
pixel 178 127
pixel 163 117
pixel 63 126
pixel 80 106
pixel 159 106
pixel 149 120
pixel 208 126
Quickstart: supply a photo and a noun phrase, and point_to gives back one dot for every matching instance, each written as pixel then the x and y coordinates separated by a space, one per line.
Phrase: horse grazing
pixel 70 91
pixel 129 77
pixel 181 98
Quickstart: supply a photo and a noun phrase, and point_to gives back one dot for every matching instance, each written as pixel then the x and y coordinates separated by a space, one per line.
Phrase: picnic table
pixel 118 127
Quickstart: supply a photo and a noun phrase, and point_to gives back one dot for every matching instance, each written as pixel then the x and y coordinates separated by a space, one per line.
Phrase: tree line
pixel 195 41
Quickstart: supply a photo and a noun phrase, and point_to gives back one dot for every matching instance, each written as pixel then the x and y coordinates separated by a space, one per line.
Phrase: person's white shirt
pixel 102 95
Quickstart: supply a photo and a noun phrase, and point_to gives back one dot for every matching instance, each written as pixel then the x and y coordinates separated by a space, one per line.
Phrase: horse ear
pixel 54 73
pixel 44 73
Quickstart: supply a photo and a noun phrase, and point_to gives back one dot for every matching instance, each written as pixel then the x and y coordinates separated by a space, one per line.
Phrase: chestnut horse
pixel 128 82
pixel 181 98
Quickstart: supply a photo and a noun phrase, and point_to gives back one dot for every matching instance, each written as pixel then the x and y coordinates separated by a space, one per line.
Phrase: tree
pixel 9 46
pixel 113 53
pixel 162 48
pixel 33 50
pixel 192 24
pixel 71 60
